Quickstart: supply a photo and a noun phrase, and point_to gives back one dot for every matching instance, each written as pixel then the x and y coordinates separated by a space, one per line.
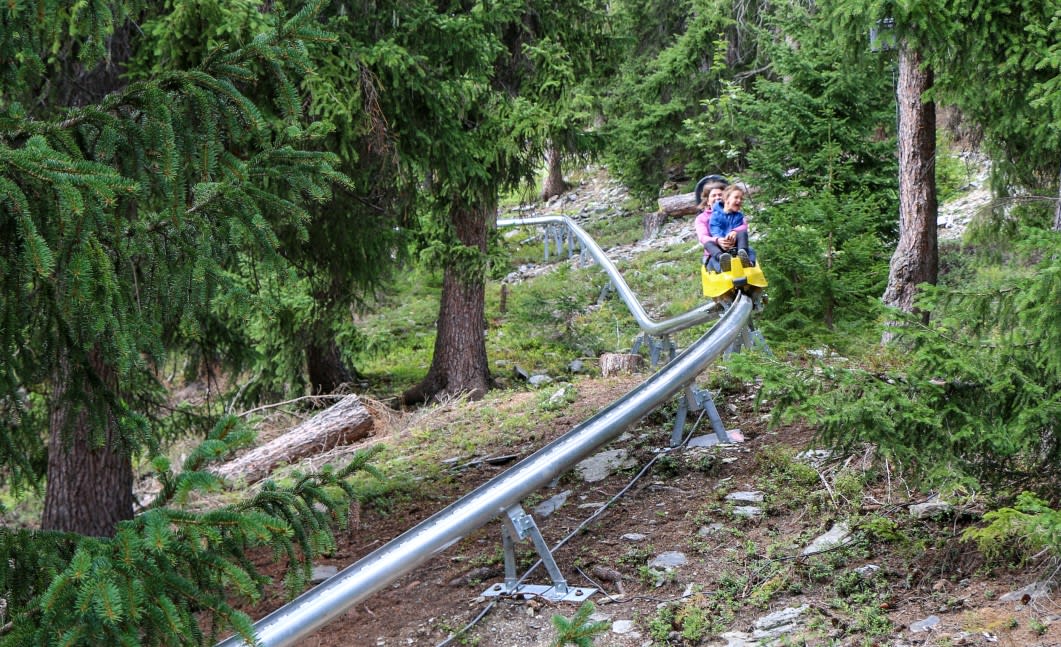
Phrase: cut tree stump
pixel 340 424
pixel 616 363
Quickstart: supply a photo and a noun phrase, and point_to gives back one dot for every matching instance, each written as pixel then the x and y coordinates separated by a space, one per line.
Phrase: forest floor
pixel 898 580
pixel 738 570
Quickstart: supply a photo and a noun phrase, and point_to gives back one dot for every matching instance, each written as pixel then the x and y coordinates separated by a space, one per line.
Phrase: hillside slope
pixel 716 545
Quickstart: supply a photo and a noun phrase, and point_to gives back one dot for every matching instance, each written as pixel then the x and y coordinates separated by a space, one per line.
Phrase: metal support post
pixel 517 525
pixel 558 238
pixel 755 339
pixel 604 293
pixel 694 400
pixel 656 347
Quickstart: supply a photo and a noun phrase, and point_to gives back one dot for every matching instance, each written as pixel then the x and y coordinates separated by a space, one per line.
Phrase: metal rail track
pixel 502 494
pixel 657 328
pixel 317 607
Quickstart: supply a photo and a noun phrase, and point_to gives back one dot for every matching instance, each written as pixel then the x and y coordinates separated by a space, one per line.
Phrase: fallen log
pixel 340 424
pixel 683 204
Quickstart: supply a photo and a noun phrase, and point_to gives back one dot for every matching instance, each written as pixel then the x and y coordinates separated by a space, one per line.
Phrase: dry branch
pixel 341 424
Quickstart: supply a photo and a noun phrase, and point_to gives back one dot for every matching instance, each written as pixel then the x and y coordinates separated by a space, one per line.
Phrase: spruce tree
pixel 126 206
pixel 122 220
pixel 300 334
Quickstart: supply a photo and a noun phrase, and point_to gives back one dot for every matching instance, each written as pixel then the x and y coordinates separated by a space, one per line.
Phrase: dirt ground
pixel 678 505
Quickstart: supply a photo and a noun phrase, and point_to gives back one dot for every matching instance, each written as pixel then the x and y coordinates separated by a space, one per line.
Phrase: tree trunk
pixel 554 180
pixel 459 365
pixel 916 256
pixel 341 424
pixel 325 366
pixel 1057 207
pixel 90 476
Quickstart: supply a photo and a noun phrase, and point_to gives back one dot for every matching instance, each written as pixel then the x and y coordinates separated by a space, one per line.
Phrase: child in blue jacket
pixel 726 232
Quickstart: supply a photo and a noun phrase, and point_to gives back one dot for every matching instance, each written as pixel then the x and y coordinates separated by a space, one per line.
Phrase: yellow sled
pixel 750 280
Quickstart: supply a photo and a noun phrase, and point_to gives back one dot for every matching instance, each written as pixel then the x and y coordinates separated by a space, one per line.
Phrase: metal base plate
pixel 528 591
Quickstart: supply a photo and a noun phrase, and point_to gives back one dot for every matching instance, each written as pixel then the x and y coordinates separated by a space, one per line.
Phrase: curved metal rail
pixel 317 607
pixel 657 328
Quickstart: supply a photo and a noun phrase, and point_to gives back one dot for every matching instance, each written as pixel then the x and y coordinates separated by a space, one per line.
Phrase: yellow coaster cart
pixel 722 286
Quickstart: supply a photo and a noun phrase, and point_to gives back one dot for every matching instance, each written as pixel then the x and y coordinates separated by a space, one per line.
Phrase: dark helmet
pixel 705 180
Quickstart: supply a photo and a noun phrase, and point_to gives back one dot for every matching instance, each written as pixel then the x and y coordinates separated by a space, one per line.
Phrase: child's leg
pixel 742 240
pixel 714 252
pixel 746 254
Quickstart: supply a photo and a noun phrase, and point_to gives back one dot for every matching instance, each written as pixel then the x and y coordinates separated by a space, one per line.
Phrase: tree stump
pixel 617 363
pixel 341 424
pixel 651 224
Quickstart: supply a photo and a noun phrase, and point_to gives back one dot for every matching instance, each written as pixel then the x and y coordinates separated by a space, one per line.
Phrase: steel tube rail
pixel 316 607
pixel 674 324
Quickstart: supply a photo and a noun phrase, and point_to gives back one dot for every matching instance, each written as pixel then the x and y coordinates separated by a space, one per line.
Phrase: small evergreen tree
pixel 578 630
pixel 974 399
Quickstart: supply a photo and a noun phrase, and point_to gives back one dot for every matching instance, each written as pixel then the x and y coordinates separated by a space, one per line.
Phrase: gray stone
pixel 599 466
pixel 747 511
pixel 634 536
pixel 738 639
pixel 785 616
pixel 539 380
pixel 746 496
pixel 551 505
pixel 322 572
pixel 838 535
pixel 622 626
pixel 929 509
pixel 668 560
pixel 930 622
pixel 1034 591
pixel 771 636
pixel 575 366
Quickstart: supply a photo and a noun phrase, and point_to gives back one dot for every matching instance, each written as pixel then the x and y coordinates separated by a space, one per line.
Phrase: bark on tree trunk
pixel 341 424
pixel 325 366
pixel 90 476
pixel 459 365
pixel 1057 207
pixel 916 257
pixel 554 180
